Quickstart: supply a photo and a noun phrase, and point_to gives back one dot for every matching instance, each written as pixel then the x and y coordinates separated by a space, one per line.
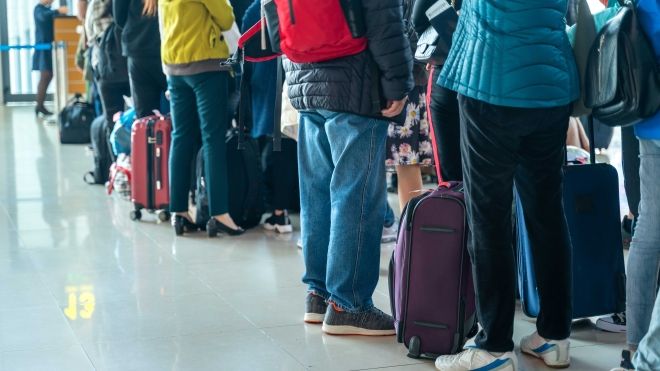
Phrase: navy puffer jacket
pixel 359 84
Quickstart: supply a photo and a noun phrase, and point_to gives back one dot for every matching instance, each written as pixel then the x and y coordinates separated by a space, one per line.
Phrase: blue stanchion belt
pixel 42 46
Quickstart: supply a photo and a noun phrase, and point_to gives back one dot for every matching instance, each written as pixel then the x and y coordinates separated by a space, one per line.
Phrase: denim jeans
pixel 647 357
pixel 342 197
pixel 501 145
pixel 199 110
pixel 644 257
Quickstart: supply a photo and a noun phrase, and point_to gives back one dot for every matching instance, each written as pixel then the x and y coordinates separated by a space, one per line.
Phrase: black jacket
pixel 140 34
pixel 359 84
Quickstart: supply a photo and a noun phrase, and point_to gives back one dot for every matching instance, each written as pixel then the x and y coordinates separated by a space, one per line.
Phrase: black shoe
pixel 626 363
pixel 213 227
pixel 315 308
pixel 372 322
pixel 43 111
pixel 279 223
pixel 182 224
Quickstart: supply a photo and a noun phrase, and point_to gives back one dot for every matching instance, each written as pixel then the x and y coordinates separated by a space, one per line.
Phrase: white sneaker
pixel 477 359
pixel 555 353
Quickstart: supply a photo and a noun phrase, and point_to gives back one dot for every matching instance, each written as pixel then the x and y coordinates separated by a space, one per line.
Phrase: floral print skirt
pixel 410 143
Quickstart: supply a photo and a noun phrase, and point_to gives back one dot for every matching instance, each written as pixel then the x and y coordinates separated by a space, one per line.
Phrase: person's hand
pixel 394 107
pixel 63 10
pixel 429 66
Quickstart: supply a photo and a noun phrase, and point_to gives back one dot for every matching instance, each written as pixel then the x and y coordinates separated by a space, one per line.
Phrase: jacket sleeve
pixel 221 12
pixel 389 46
pixel 44 15
pixel 120 11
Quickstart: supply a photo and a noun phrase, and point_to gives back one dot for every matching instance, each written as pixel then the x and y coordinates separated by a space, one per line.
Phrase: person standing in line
pixel 140 40
pixel 280 168
pixel 643 271
pixel 192 50
pixel 42 60
pixel 514 70
pixel 341 149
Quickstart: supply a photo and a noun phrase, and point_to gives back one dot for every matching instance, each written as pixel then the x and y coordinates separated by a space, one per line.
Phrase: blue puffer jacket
pixel 513 53
pixel 649 17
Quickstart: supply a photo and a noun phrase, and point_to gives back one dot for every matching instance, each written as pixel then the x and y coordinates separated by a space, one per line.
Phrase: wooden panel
pixel 66 29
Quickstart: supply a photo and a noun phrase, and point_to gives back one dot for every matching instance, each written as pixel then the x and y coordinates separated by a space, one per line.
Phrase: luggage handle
pixel 159 172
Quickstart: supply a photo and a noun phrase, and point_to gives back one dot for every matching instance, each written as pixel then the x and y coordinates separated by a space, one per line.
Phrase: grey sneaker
pixel 371 323
pixel 315 307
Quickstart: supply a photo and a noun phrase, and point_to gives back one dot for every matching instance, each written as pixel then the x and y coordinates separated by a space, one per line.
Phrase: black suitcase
pixel 591 205
pixel 246 201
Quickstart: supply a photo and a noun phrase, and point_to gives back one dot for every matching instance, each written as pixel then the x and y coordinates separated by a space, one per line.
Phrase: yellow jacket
pixel 191 30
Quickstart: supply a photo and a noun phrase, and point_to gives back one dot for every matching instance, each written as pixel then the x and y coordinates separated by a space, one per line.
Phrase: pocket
pixel 214 34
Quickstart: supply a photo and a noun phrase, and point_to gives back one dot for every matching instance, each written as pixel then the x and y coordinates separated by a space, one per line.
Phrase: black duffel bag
pixel 75 121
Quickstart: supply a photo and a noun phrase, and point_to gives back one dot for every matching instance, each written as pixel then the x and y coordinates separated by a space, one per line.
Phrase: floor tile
pixel 71 358
pixel 26 328
pixel 234 350
pixel 157 317
pixel 318 351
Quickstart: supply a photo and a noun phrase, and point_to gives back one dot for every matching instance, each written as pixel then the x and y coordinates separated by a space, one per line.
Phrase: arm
pixel 389 46
pixel 82 9
pixel 120 11
pixel 221 12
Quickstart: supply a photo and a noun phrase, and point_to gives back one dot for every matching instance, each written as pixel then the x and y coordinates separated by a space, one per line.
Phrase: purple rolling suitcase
pixel 431 289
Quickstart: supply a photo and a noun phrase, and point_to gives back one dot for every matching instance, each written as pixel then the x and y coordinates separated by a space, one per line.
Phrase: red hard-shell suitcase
pixel 150 149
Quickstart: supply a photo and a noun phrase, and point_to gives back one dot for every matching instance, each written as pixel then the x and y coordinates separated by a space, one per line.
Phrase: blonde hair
pixel 150 7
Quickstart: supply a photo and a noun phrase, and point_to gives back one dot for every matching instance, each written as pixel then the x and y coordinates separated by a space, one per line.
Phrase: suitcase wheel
pixel 135 215
pixel 163 216
pixel 414 347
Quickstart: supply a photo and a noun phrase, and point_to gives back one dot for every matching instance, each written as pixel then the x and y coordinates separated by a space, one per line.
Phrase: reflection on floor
pixel 82 287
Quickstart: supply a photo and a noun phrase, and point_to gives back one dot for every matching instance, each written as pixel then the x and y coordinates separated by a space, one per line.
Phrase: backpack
pixel 113 65
pixel 246 203
pixel 307 31
pixel 75 120
pixel 102 153
pixel 622 76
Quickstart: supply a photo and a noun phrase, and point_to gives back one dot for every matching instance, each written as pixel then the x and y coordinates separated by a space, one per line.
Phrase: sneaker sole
pixel 278 228
pixel 315 318
pixel 610 327
pixel 551 365
pixel 352 330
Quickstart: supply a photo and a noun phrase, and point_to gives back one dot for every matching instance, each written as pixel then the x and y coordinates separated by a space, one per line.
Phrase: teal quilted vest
pixel 513 53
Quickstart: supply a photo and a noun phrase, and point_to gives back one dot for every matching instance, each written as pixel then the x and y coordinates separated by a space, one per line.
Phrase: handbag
pixel 434 44
pixel 622 77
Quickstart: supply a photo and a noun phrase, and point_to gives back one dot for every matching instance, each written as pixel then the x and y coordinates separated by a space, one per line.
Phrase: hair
pixel 150 7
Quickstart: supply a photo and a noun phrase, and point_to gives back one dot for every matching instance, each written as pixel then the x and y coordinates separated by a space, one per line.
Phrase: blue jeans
pixel 644 257
pixel 342 193
pixel 647 357
pixel 199 111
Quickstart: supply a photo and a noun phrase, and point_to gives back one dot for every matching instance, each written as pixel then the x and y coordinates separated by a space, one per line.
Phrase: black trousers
pixel 148 83
pixel 446 127
pixel 630 149
pixel 502 146
pixel 281 173
pixel 112 97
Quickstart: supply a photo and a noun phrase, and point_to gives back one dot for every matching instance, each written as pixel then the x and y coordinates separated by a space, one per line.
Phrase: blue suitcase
pixel 591 204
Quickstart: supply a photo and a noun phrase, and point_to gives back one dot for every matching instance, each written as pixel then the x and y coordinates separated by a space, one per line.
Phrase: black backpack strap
pixel 245 101
pixel 277 116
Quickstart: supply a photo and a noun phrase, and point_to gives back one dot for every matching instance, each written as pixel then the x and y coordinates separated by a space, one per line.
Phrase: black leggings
pixel 281 173
pixel 630 149
pixel 446 126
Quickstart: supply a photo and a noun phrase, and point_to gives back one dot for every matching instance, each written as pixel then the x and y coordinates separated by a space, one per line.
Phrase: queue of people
pixel 495 114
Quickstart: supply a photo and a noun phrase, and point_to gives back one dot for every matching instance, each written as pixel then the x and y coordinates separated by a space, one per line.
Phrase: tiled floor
pixel 82 287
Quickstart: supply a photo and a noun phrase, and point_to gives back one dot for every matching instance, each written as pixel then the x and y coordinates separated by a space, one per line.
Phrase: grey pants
pixel 644 258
